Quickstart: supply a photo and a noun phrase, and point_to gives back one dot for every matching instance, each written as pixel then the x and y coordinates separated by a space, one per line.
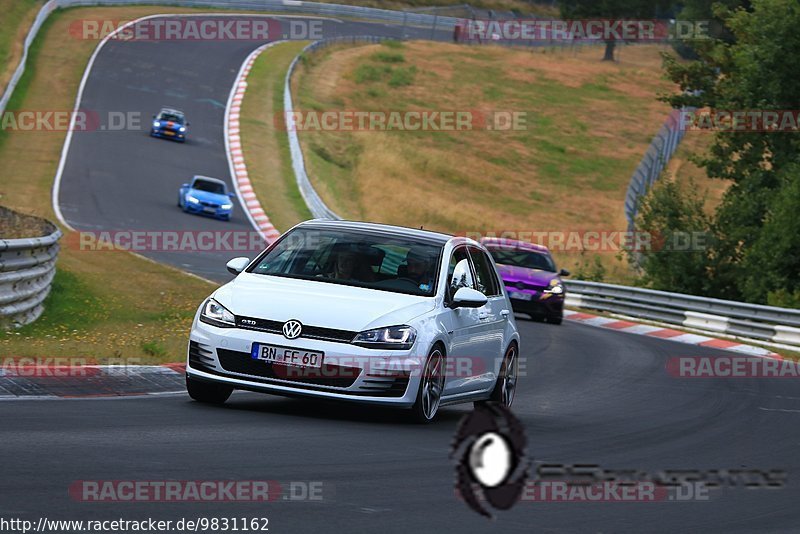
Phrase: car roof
pixel 171 111
pixel 513 243
pixel 208 179
pixel 424 235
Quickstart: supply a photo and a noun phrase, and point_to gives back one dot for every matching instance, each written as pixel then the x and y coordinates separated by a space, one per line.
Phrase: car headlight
pixel 156 124
pixel 391 337
pixel 557 289
pixel 182 129
pixel 216 314
pixel 226 206
pixel 190 198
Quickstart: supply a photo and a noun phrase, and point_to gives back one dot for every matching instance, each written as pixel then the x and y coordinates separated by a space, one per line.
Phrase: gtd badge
pixel 249 322
pixel 292 329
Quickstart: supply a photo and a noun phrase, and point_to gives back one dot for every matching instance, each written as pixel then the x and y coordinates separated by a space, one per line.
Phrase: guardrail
pixel 315 204
pixel 661 149
pixel 27 267
pixel 753 321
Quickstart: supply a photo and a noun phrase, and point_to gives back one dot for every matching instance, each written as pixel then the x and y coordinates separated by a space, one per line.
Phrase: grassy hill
pixel 588 125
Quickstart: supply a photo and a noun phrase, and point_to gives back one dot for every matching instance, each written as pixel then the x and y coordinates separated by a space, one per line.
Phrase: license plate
pixel 167 132
pixel 286 355
pixel 520 296
pixel 210 210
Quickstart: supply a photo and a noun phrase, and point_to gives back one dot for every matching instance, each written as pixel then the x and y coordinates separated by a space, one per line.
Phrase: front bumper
pixel 540 304
pixel 348 372
pixel 173 134
pixel 200 209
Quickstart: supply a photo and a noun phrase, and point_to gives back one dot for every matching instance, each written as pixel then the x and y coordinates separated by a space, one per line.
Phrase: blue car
pixel 206 196
pixel 170 124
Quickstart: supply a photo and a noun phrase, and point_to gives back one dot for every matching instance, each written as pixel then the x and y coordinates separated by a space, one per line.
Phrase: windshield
pixel 371 260
pixel 518 257
pixel 164 116
pixel 209 187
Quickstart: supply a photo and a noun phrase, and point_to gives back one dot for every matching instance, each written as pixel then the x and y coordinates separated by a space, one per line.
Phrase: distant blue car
pixel 170 124
pixel 207 196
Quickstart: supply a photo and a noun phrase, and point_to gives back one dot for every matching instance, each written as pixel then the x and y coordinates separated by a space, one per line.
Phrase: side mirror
pixel 466 297
pixel 237 265
pixel 563 272
pixel 154 116
pixel 188 124
pixel 231 194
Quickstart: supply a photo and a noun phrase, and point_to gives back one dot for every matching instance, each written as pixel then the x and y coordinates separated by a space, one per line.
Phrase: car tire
pixel 431 386
pixel 555 319
pixel 207 392
pixel 505 387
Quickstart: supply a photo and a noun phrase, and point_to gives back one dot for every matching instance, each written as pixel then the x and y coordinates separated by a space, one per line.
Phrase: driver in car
pixel 350 265
pixel 418 268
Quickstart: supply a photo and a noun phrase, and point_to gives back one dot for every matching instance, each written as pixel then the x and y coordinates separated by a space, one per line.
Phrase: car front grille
pixel 376 384
pixel 327 375
pixel 209 204
pixel 310 332
pixel 514 286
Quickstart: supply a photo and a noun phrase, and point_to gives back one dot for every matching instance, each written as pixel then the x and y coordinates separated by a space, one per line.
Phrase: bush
pixel 388 57
pixel 402 76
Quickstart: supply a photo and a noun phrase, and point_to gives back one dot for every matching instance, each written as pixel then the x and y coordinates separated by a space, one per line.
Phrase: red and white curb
pixel 667 333
pixel 50 382
pixel 233 142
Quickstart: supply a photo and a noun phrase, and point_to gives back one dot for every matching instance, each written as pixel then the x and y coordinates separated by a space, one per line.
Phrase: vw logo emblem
pixel 292 329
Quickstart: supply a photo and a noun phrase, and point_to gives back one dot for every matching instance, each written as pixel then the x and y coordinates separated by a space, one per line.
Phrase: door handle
pixel 505 313
pixel 483 315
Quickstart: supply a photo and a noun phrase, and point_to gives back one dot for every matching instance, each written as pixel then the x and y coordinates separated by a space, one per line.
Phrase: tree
pixel 749 72
pixel 678 227
pixel 613 9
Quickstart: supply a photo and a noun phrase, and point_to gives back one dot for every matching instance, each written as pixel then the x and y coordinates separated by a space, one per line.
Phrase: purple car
pixel 530 276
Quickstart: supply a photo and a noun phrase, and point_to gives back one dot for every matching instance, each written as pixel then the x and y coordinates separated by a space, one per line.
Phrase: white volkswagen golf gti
pixel 361 312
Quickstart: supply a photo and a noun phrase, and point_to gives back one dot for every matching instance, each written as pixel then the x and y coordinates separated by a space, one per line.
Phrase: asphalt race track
pixel 591 396
pixel 127 180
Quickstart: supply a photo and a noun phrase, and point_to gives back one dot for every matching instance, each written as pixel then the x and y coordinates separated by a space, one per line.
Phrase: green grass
pixel 20 91
pixel 71 305
pixel 587 124
pixel 402 76
pixel 388 57
pixel 16 14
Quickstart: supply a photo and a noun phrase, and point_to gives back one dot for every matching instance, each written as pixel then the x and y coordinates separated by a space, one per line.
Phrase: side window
pixel 484 272
pixel 459 272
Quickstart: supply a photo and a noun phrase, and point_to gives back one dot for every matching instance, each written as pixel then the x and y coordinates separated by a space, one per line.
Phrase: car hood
pixel 538 277
pixel 205 196
pixel 319 303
